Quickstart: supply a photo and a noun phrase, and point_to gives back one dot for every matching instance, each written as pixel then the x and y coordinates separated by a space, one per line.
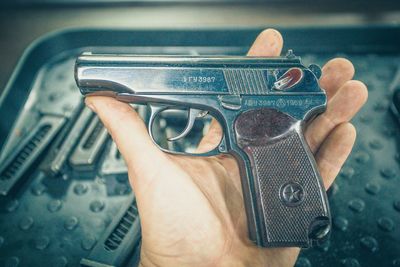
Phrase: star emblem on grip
pixel 292 194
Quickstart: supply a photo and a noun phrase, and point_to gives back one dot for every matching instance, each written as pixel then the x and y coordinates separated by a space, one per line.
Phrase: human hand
pixel 191 208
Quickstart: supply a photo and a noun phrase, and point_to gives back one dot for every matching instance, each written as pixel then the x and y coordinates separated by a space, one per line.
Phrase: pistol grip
pixel 290 205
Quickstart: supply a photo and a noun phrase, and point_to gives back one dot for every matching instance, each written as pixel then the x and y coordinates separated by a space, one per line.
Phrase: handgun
pixel 262 105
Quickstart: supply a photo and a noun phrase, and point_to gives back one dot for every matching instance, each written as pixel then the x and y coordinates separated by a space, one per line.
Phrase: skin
pixel 191 208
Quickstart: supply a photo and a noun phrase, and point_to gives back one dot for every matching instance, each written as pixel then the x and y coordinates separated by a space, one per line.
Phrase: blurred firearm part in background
pixel 63 183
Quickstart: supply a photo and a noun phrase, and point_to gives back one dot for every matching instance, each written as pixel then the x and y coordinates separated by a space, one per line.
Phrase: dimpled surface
pixel 275 165
pixel 368 238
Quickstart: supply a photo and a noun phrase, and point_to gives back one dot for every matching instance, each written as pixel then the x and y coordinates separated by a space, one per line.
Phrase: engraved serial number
pixel 280 103
pixel 198 79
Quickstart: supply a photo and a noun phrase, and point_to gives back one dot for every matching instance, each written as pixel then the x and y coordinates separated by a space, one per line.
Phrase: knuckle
pixel 329 121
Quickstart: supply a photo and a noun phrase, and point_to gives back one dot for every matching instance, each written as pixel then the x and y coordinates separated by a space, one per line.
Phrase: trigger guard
pixel 155 110
pixel 219 149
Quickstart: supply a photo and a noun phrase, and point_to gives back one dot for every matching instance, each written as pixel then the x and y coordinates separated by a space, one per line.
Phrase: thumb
pixel 129 133
pixel 268 43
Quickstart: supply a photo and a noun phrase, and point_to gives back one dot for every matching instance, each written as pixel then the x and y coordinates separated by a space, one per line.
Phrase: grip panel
pixel 290 200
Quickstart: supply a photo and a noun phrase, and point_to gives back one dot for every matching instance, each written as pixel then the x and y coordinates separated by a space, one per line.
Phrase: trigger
pixel 193 114
pixel 155 110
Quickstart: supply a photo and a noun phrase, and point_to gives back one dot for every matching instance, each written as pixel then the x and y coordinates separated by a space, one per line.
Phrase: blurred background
pixel 65 199
pixel 22 21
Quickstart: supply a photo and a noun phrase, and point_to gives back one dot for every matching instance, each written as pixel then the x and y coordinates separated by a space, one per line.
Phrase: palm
pixel 213 230
pixel 201 213
pixel 191 209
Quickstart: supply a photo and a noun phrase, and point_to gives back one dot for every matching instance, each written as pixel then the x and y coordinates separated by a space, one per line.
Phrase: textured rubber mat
pixel 66 200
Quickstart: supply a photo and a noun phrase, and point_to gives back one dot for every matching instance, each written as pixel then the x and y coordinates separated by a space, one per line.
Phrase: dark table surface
pixel 367 182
